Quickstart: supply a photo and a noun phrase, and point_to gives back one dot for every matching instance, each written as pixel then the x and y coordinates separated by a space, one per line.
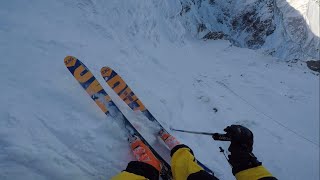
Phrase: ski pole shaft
pixel 215 136
pixel 222 151
pixel 192 132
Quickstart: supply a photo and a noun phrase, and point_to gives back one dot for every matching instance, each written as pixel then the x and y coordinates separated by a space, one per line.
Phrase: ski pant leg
pixel 137 170
pixel 185 167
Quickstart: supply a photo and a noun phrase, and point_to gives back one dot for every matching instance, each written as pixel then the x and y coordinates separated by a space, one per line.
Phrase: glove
pixel 241 146
pixel 241 139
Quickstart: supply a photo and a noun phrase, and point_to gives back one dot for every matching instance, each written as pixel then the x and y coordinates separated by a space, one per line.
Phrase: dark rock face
pixel 185 8
pixel 254 24
pixel 215 35
pixel 314 65
pixel 247 25
pixel 211 35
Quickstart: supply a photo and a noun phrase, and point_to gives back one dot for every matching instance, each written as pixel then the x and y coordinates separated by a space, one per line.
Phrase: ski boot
pixel 142 153
pixel 168 139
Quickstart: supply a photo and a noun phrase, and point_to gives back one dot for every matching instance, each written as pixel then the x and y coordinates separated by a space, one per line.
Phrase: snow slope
pixel 50 128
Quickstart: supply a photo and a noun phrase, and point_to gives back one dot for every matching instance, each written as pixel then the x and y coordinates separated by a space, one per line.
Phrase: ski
pixel 121 88
pixel 94 89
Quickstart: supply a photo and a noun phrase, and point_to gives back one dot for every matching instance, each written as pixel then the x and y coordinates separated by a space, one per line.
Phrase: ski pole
pixel 192 132
pixel 222 151
pixel 215 136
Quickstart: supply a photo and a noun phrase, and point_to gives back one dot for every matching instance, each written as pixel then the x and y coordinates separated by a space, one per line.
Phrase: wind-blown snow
pixel 51 129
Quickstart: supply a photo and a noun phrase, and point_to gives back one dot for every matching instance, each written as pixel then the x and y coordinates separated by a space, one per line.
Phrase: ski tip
pixel 70 61
pixel 106 72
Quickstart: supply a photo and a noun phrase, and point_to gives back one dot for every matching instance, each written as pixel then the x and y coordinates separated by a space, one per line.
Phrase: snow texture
pixel 51 129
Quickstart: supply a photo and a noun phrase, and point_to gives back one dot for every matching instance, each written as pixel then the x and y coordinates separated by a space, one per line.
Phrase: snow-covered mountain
pixel 309 9
pixel 285 29
pixel 51 130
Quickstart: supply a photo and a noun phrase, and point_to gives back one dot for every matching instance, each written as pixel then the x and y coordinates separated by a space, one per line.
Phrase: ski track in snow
pixel 51 129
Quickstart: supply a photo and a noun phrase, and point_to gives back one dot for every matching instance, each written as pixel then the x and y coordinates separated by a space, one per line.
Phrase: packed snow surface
pixel 51 129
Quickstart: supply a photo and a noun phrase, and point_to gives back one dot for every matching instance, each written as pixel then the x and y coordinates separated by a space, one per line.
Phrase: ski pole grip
pixel 221 137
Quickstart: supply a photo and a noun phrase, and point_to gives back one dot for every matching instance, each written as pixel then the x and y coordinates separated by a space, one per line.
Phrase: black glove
pixel 241 146
pixel 241 139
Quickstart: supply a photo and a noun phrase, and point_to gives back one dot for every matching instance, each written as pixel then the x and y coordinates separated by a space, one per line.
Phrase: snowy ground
pixel 50 128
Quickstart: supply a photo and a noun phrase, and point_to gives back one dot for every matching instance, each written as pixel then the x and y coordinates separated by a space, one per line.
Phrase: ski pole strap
pixel 221 137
